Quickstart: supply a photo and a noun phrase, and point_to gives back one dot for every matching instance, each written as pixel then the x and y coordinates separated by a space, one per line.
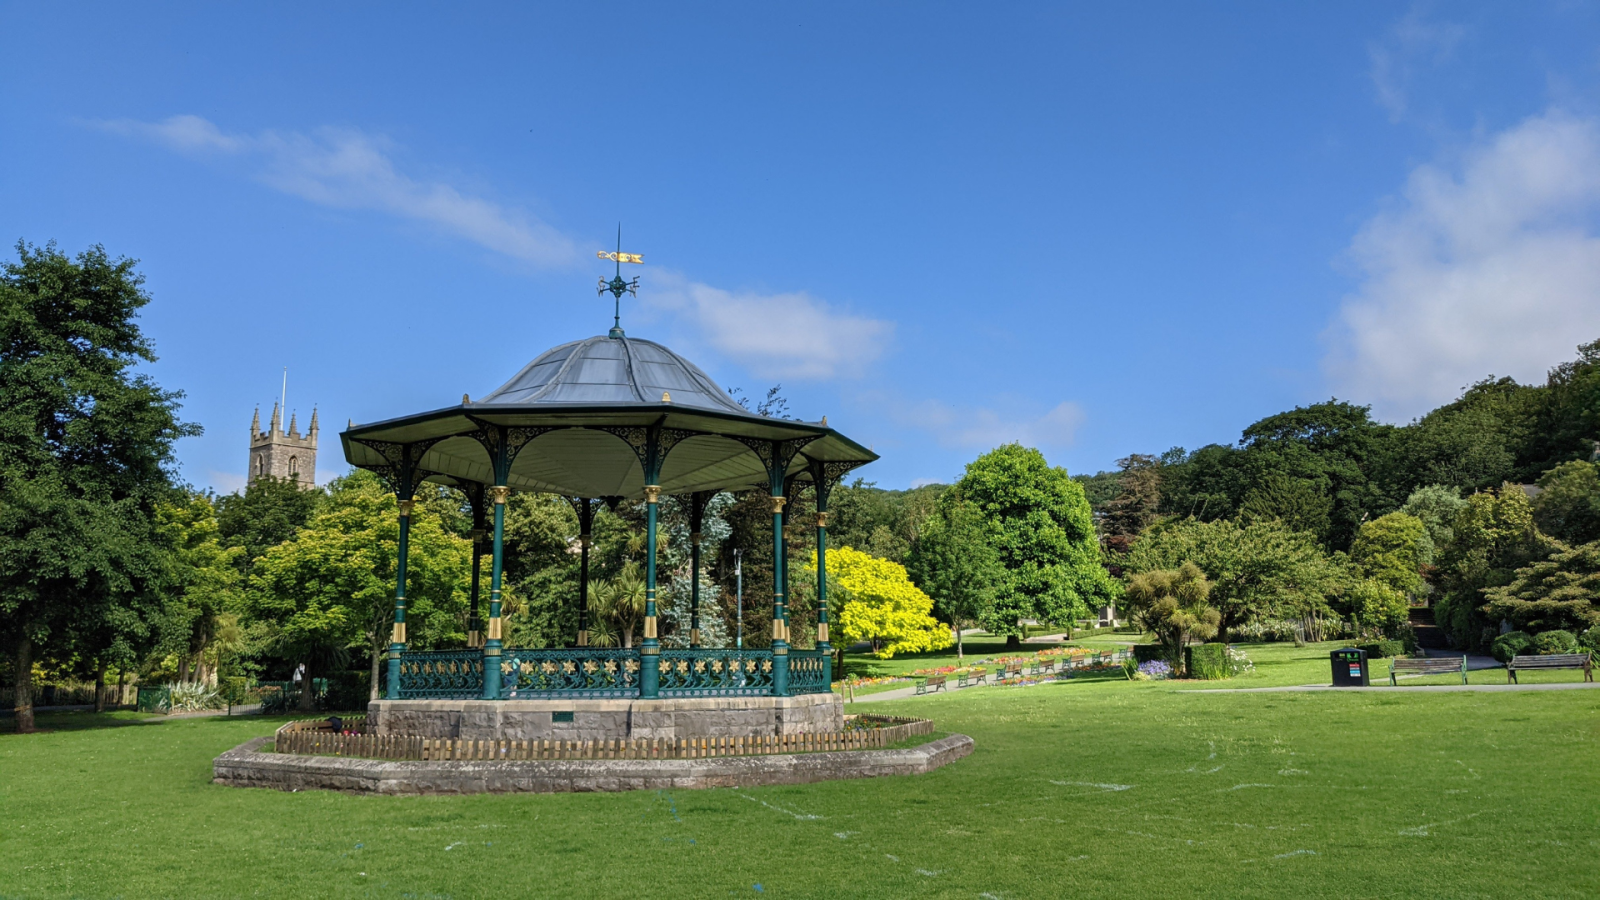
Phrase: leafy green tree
pixel 1171 603
pixel 204 588
pixel 1375 605
pixel 1561 592
pixel 85 445
pixel 1256 570
pixel 1392 549
pixel 1137 502
pixel 955 561
pixel 881 606
pixel 331 586
pixel 1568 505
pixel 1494 535
pixel 268 512
pixel 1301 504
pixel 1437 506
pixel 1043 532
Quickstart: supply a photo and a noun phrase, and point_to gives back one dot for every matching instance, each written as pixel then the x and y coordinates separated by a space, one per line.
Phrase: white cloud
pixel 1491 269
pixel 349 169
pixel 1394 59
pixel 982 428
pixel 792 335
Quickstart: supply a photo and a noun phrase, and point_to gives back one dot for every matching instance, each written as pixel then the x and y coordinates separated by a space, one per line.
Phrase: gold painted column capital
pixel 652 493
pixel 500 493
pixel 822 520
pixel 777 504
pixel 405 508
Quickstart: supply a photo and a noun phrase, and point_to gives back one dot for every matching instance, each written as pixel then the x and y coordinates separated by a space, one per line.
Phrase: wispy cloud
pixel 1411 43
pixel 782 336
pixel 1490 266
pixel 983 428
pixel 349 169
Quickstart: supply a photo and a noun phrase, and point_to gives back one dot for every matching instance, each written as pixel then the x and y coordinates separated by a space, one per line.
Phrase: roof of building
pixel 612 370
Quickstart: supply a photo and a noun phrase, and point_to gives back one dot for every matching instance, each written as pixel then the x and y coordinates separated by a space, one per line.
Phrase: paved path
pixel 1561 686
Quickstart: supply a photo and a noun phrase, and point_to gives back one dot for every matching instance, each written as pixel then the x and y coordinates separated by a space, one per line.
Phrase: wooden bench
pixel 971 679
pixel 1012 670
pixel 1444 665
pixel 1553 661
pixel 930 684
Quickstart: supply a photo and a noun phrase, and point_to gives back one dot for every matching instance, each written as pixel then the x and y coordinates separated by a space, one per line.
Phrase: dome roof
pixel 602 370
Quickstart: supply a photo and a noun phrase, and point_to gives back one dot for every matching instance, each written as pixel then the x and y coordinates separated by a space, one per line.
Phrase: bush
pixel 1207 661
pixel 1262 631
pixel 1382 649
pixel 1148 653
pixel 1548 642
pixel 1591 638
pixel 1510 644
pixel 347 691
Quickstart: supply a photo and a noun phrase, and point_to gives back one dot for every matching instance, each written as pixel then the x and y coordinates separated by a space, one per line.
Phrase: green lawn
pixel 1096 788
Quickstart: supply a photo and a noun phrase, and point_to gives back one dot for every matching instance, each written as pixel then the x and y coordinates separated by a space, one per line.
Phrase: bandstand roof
pixel 586 404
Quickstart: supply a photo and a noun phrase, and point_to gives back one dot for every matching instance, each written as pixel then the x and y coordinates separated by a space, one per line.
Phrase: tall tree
pixel 1136 504
pixel 956 563
pixel 881 606
pixel 1393 549
pixel 1568 505
pixel 268 512
pixel 1044 535
pixel 85 442
pixel 1494 535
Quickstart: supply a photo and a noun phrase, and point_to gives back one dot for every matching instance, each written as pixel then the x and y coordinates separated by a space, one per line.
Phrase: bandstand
pixel 606 419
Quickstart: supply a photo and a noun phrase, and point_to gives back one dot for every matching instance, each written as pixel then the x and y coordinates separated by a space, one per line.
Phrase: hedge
pixel 1207 661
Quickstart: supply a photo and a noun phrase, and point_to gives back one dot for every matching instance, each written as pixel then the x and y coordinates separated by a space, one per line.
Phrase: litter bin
pixel 1349 667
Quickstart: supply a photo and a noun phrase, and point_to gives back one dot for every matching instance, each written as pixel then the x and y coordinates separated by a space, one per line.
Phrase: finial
pixel 824 421
pixel 465 399
pixel 666 396
pixel 349 424
pixel 617 286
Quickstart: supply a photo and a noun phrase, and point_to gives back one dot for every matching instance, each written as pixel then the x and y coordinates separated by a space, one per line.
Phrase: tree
pixel 1392 549
pixel 331 586
pixel 1494 535
pixel 203 590
pixel 267 513
pixel 1256 570
pixel 1562 592
pixel 1136 504
pixel 85 443
pixel 1437 505
pixel 619 602
pixel 1171 603
pixel 1376 605
pixel 1044 535
pixel 881 606
pixel 956 563
pixel 1568 505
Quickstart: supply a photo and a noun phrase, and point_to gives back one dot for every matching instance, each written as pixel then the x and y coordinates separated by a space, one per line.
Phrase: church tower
pixel 283 454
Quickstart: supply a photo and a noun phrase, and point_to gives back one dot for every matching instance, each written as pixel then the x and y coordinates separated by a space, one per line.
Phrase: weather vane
pixel 617 286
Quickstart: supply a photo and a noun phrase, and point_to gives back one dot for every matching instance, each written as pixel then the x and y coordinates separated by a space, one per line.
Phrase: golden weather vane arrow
pixel 616 286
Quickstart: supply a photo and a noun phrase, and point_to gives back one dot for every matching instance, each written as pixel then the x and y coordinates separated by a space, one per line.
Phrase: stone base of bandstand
pixel 604 720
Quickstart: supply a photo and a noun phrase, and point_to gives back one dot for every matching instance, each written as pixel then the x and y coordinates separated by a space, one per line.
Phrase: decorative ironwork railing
pixel 576 672
pixel 712 673
pixel 806 672
pixel 441 674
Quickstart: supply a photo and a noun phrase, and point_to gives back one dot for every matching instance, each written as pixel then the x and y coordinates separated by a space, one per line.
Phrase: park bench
pixel 930 684
pixel 1552 661
pixel 970 679
pixel 1012 670
pixel 1447 665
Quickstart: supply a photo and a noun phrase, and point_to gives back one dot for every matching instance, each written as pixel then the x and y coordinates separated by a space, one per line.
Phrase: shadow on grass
pixel 78 720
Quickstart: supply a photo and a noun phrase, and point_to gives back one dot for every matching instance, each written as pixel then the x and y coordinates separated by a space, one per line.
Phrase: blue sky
pixel 1095 228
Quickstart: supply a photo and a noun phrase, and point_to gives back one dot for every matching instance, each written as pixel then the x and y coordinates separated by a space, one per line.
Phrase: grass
pixel 1097 788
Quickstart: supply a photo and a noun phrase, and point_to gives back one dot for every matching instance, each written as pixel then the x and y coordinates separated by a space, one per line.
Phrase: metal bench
pixel 1444 665
pixel 971 679
pixel 930 684
pixel 1553 661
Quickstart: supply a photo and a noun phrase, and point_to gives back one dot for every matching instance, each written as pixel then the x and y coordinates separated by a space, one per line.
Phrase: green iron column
pixel 491 647
pixel 822 584
pixel 585 539
pixel 697 513
pixel 475 624
pixel 397 639
pixel 650 647
pixel 780 624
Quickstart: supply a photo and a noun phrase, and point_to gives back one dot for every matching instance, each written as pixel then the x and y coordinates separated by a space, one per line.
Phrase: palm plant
pixel 620 603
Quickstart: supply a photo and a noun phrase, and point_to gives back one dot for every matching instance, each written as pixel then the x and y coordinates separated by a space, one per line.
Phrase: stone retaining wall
pixel 605 720
pixel 247 766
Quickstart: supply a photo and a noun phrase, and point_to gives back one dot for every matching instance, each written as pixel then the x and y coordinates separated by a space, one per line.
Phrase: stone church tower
pixel 283 454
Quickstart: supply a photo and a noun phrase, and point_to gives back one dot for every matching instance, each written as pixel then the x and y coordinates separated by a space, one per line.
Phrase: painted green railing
pixel 716 673
pixel 808 672
pixel 441 674
pixel 576 672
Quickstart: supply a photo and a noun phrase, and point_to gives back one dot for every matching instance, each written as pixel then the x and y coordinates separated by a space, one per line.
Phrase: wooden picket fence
pixel 312 738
